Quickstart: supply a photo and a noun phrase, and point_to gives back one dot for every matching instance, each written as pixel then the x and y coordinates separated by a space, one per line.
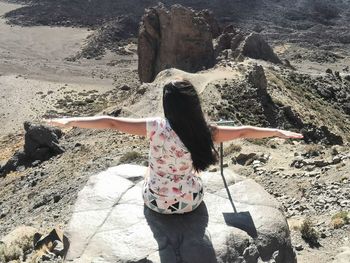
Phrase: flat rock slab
pixel 111 224
pixel 344 256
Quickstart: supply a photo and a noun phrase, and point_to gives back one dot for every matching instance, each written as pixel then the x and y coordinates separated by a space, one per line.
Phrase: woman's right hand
pixel 288 134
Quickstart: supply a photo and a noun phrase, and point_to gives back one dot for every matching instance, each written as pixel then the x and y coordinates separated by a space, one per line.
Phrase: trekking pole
pixel 222 164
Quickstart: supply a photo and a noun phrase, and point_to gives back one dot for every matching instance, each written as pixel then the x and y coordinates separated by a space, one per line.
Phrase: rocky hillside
pixel 307 89
pixel 319 23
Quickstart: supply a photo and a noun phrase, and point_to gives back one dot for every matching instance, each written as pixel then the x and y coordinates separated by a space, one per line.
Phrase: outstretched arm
pixel 127 125
pixel 227 133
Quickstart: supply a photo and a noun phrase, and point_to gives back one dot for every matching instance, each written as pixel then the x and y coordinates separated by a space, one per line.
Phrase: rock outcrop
pixel 254 46
pixel 222 91
pixel 40 144
pixel 110 36
pixel 111 224
pixel 240 45
pixel 179 38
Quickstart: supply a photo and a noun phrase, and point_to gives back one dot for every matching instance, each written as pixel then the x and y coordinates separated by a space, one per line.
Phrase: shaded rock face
pixel 111 224
pixel 260 110
pixel 40 144
pixel 311 133
pixel 258 107
pixel 239 44
pixel 179 38
pixel 254 46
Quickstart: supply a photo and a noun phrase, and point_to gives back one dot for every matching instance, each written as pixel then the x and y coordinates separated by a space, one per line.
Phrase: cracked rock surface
pixel 111 224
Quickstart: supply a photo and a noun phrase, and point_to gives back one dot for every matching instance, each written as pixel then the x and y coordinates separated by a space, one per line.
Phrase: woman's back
pixel 172 185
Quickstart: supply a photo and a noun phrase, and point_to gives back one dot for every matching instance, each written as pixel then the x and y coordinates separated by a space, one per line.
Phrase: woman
pixel 181 145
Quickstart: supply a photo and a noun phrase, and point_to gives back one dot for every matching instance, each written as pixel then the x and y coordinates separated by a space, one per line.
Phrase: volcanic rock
pixel 254 46
pixel 40 144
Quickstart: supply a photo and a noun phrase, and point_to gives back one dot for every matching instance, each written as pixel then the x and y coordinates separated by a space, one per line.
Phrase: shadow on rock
pixel 182 237
pixel 243 221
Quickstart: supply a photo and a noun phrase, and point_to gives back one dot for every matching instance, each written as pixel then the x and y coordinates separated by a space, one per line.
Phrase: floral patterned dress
pixel 172 186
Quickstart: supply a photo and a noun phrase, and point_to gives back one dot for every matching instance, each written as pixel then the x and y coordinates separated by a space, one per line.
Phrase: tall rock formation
pixel 179 38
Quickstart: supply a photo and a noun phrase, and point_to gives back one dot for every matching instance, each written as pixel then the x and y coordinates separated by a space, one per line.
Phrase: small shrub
pixel 339 165
pixel 17 250
pixel 340 219
pixel 232 148
pixel 308 233
pixel 11 253
pixel 313 150
pixel 2 252
pixel 130 157
pixel 338 223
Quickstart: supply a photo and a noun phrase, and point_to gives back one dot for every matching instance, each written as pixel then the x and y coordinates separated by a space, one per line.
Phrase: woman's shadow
pixel 182 238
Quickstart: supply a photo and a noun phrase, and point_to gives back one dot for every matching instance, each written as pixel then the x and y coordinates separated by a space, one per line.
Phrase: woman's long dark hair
pixel 183 110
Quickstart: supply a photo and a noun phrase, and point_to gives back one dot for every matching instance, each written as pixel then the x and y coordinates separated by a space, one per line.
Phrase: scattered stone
pixel 299 247
pixel 337 75
pixel 3 212
pixel 57 198
pixel 245 159
pixel 115 112
pixel 329 71
pixel 125 87
pixel 212 170
pixel 51 246
pixel 336 159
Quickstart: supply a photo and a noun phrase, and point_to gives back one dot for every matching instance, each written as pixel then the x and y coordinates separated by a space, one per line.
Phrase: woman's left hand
pixel 60 122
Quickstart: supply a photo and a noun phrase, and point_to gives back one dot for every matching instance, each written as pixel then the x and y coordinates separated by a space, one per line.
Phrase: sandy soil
pixel 34 71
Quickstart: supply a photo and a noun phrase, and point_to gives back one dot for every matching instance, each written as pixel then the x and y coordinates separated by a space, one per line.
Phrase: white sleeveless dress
pixel 172 186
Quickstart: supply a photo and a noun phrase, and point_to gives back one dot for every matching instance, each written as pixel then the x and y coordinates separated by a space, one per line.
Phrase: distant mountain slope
pixel 300 20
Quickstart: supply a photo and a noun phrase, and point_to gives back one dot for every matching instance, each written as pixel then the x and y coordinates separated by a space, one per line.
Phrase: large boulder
pixel 179 38
pixel 111 224
pixel 40 144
